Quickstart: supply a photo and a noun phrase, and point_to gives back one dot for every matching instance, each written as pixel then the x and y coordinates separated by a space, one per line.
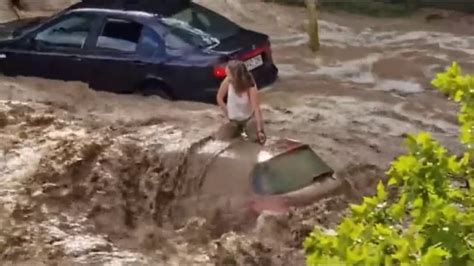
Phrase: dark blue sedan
pixel 177 51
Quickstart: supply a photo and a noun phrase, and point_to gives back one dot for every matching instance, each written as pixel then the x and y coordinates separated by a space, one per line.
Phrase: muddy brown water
pixel 94 177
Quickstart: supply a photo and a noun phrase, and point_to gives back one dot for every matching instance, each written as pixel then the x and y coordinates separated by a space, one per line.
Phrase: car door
pixel 54 50
pixel 63 45
pixel 125 51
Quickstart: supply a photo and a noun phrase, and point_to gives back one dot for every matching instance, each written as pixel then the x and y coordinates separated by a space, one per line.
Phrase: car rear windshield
pixel 288 172
pixel 200 26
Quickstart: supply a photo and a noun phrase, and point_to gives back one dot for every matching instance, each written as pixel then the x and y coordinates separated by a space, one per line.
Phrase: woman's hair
pixel 242 78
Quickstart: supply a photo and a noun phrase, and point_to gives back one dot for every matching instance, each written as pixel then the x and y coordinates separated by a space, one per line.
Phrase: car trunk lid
pixel 247 46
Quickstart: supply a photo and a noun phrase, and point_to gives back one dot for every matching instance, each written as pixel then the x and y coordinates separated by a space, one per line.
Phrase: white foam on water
pixel 15 167
pixel 399 86
pixel 333 34
pixel 290 40
pixel 357 71
pixel 288 70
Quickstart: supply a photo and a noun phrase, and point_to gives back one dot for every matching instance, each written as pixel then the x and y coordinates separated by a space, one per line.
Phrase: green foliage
pixel 430 219
pixel 461 90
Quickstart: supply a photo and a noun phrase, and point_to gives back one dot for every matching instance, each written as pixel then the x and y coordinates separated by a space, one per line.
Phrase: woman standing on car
pixel 243 107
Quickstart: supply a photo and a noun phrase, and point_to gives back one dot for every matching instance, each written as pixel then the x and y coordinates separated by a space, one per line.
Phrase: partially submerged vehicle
pixel 280 174
pixel 176 49
pixel 286 166
pixel 294 172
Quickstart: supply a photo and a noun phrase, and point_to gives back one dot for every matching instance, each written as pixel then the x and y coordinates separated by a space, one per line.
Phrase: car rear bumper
pixel 264 76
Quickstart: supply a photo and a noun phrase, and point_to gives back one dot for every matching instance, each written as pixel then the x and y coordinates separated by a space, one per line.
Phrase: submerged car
pixel 174 49
pixel 280 174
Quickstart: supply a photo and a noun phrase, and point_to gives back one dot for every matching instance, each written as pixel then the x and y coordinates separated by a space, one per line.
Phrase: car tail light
pixel 265 50
pixel 219 71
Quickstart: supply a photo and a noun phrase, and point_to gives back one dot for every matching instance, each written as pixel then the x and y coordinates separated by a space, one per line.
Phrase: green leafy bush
pixel 429 220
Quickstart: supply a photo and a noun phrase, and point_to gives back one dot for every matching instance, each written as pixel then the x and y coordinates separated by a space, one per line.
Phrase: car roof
pixel 155 7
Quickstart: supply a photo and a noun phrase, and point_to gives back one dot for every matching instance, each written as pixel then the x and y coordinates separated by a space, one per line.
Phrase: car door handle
pixel 139 63
pixel 75 58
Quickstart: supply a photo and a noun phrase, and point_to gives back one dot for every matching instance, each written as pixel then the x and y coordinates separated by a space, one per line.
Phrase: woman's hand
pixel 258 114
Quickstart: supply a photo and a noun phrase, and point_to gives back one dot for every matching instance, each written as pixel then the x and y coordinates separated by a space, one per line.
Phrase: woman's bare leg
pixel 251 130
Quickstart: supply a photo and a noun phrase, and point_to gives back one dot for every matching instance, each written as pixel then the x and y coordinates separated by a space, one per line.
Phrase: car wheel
pixel 155 90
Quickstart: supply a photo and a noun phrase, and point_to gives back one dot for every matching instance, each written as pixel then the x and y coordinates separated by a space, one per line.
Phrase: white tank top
pixel 238 107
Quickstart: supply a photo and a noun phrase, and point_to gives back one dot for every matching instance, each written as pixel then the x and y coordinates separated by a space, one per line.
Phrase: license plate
pixel 254 62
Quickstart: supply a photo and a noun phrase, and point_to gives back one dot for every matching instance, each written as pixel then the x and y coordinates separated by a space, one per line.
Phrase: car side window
pixel 151 44
pixel 120 35
pixel 70 32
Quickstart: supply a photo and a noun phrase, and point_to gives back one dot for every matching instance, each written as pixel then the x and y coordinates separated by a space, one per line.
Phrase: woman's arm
pixel 255 102
pixel 221 94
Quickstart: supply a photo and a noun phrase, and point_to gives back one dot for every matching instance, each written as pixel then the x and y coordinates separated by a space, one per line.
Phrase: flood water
pixel 98 178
